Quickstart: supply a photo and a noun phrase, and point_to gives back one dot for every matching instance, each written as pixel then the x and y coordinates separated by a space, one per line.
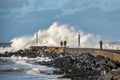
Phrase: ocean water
pixel 23 68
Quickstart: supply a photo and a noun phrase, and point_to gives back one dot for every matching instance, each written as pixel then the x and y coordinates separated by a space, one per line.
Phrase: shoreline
pixel 75 63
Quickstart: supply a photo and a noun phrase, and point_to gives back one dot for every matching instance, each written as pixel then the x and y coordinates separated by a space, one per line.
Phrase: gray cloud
pixel 91 15
pixel 5 4
pixel 71 6
pixel 21 8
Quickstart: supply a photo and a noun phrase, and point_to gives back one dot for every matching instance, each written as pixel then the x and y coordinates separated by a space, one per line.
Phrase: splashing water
pixel 55 33
pixel 53 36
pixel 24 68
pixel 2 49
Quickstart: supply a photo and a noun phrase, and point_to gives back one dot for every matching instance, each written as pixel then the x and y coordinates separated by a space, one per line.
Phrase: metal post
pixel 101 43
pixel 79 40
pixel 36 38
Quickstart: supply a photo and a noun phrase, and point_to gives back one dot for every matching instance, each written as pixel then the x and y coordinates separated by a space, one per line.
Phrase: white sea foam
pixel 19 58
pixel 9 49
pixel 34 71
pixel 27 69
pixel 38 70
pixel 28 65
pixel 54 34
pixel 43 59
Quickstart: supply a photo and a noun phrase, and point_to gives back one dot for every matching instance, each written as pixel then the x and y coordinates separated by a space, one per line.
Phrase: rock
pixel 114 74
pixel 83 65
pixel 13 70
pixel 111 64
pixel 2 55
pixel 72 66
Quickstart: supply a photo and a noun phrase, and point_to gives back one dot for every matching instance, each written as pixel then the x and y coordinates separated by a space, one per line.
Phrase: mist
pixel 56 33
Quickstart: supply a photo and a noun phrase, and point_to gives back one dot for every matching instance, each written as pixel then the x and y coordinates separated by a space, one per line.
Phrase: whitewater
pixel 56 33
pixel 22 68
pixel 53 35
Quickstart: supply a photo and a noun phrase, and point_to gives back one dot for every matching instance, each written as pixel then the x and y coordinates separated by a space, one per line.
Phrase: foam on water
pixel 19 58
pixel 34 71
pixel 22 67
pixel 43 59
pixel 4 49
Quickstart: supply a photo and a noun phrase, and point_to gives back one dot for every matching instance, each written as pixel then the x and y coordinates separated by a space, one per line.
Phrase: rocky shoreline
pixel 83 66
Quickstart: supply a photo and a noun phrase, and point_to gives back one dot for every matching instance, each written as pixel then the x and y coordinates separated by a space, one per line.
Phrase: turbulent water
pixel 18 68
pixel 56 33
pixel 53 35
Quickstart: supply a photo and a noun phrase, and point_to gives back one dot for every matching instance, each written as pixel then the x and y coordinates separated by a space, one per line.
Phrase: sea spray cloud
pixel 21 42
pixel 53 36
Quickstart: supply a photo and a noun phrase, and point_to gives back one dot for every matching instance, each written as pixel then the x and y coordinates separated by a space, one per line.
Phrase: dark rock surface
pixel 30 53
pixel 77 67
pixel 82 66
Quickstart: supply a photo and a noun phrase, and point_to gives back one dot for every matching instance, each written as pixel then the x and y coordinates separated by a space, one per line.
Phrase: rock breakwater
pixel 83 66
pixel 75 66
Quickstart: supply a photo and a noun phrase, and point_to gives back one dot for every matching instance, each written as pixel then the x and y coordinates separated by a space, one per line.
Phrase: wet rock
pixel 7 54
pixel 83 65
pixel 111 64
pixel 114 74
pixel 1 55
pixel 13 70
pixel 72 66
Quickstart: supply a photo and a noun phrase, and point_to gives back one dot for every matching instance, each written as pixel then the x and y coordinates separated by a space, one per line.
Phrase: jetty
pixel 76 63
pixel 109 53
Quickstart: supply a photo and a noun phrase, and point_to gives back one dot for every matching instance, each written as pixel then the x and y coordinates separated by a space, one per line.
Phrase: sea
pixel 24 68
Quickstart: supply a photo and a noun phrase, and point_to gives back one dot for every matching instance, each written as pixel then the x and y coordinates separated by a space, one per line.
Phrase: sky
pixel 25 17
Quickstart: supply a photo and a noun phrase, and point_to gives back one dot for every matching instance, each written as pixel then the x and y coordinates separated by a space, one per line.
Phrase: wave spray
pixel 53 36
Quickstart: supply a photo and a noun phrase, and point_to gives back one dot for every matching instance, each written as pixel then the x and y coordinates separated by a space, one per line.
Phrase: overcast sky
pixel 25 17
